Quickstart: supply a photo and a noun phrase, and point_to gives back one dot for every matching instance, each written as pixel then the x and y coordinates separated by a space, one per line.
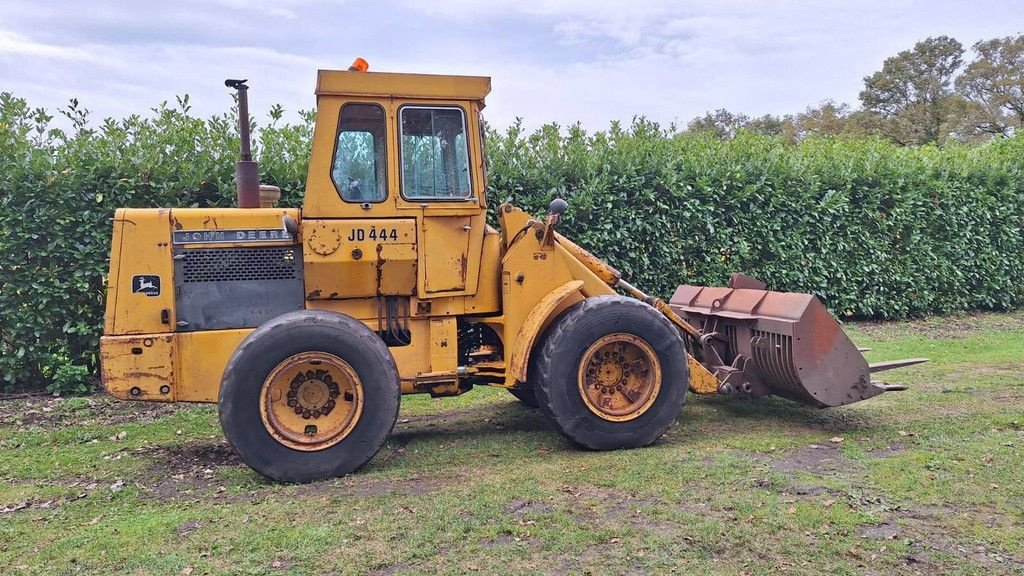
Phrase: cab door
pixel 361 247
pixel 437 147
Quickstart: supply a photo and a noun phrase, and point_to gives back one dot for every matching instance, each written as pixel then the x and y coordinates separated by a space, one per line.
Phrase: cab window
pixel 359 170
pixel 435 155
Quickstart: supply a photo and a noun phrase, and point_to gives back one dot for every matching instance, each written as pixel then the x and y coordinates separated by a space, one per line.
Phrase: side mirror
pixel 557 207
pixel 554 215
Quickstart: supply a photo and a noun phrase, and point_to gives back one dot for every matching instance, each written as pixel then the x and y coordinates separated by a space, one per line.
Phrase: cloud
pixel 550 60
pixel 271 8
pixel 16 45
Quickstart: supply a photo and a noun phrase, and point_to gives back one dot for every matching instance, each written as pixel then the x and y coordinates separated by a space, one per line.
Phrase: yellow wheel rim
pixel 311 401
pixel 619 377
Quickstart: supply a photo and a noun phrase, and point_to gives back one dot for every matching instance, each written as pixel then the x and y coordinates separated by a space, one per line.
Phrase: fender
pixel 533 324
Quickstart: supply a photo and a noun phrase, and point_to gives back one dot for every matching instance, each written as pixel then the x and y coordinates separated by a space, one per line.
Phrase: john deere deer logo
pixel 148 284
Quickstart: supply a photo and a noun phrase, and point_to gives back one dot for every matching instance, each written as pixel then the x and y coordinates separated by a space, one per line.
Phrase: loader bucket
pixel 761 342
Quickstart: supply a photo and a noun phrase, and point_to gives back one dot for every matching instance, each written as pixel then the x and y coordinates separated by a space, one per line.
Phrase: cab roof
pixel 386 84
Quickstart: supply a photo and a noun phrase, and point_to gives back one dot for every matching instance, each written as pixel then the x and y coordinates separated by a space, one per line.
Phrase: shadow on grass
pixel 775 413
pixel 496 437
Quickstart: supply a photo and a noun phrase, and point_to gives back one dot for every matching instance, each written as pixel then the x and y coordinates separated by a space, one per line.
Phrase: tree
pixel 722 123
pixel 725 125
pixel 994 83
pixel 828 119
pixel 913 93
pixel 768 124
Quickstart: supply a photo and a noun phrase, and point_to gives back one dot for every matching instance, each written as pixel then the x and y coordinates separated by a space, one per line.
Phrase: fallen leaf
pixel 792 510
pixel 186 570
pixel 835 439
pixel 116 486
pixel 828 503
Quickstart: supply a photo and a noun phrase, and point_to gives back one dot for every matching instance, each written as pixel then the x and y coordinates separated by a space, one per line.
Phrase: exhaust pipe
pixel 247 172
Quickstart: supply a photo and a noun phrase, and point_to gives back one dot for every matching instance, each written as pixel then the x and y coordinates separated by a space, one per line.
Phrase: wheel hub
pixel 313 393
pixel 619 377
pixel 311 401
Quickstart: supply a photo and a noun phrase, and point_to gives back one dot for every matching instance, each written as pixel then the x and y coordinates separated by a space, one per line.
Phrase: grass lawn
pixel 924 481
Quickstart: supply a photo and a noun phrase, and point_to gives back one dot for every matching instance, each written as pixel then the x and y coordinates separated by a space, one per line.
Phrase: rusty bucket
pixel 759 342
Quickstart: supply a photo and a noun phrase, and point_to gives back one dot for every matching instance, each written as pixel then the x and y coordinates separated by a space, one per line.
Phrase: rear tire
pixel 311 394
pixel 610 373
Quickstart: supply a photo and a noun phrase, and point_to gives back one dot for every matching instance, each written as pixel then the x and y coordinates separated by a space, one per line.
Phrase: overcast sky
pixel 550 60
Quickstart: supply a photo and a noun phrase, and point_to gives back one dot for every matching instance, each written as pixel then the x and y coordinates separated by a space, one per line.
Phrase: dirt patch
pixel 929 538
pixel 49 413
pixel 189 527
pixel 521 507
pixel 10 508
pixel 886 452
pixel 498 541
pixel 193 471
pixel 883 531
pixel 928 512
pixel 283 563
pixel 817 459
pixel 609 507
pixel 805 490
pixel 366 487
pixel 390 570
pixel 187 471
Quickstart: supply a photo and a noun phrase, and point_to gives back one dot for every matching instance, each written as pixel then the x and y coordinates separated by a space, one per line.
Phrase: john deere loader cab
pixel 306 326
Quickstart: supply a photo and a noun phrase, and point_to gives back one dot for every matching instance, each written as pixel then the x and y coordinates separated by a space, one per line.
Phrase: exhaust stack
pixel 247 173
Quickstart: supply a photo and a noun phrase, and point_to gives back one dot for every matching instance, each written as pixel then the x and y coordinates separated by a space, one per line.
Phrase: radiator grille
pixel 240 264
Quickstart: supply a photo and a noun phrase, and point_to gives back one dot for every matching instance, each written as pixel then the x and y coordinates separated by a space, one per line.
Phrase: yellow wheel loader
pixel 306 326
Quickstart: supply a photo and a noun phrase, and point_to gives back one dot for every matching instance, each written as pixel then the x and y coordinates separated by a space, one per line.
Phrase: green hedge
pixel 876 230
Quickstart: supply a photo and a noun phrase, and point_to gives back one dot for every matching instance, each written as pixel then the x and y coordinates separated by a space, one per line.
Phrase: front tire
pixel 311 394
pixel 611 373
